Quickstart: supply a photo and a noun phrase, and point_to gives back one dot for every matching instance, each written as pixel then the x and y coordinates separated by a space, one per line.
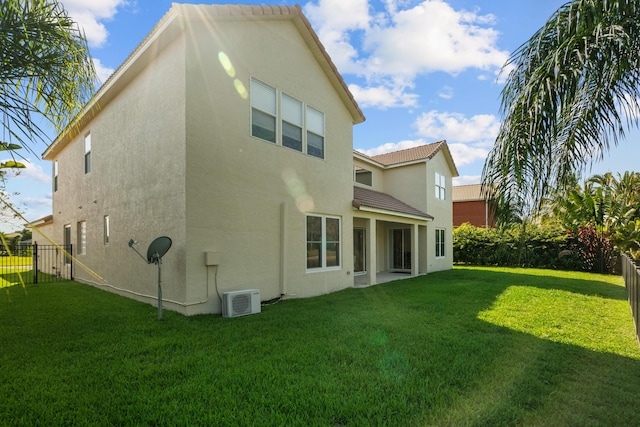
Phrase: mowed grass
pixel 15 270
pixel 471 346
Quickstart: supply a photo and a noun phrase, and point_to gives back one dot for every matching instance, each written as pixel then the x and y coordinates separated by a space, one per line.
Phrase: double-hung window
pixel 315 133
pixel 441 187
pixel 279 118
pixel 291 123
pixel 323 243
pixel 439 242
pixel 263 111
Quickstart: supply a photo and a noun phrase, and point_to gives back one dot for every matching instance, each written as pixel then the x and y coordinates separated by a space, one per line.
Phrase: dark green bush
pixel 516 246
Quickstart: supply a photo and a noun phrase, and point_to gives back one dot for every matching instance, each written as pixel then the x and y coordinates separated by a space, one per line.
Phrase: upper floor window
pixel 279 118
pixel 291 122
pixel 315 132
pixel 363 176
pixel 441 187
pixel 87 153
pixel 55 176
pixel 263 111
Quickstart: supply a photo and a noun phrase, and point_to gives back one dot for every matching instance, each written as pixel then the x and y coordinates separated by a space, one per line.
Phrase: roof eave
pixel 364 208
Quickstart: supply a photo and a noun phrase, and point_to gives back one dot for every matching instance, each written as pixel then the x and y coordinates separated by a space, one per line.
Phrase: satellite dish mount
pixel 157 249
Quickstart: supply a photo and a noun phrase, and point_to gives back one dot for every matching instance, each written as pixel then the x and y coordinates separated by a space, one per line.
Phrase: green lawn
pixel 471 346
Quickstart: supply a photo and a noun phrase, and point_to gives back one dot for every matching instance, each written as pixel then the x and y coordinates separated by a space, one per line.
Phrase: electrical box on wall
pixel 212 258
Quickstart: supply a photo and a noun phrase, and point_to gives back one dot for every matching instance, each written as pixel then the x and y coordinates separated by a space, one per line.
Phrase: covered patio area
pixel 361 281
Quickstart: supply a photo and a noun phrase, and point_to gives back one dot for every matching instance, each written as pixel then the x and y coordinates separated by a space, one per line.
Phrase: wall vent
pixel 240 303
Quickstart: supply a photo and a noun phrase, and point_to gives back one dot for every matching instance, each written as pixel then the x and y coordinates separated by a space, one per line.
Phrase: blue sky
pixel 421 70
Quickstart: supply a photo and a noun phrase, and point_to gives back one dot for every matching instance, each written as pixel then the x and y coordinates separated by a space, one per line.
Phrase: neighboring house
pixel 470 205
pixel 229 130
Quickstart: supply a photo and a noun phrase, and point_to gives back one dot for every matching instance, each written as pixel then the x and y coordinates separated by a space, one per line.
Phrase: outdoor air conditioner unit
pixel 240 303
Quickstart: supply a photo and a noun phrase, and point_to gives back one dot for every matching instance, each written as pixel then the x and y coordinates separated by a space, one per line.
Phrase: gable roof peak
pixel 421 152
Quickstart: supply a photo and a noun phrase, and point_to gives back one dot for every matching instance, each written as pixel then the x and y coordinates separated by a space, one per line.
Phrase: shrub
pixel 516 246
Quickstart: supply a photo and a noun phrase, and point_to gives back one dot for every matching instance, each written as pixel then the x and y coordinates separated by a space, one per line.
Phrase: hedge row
pixel 517 246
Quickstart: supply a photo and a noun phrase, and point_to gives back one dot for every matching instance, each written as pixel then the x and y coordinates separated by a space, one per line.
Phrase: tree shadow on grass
pixel 533 349
pixel 405 353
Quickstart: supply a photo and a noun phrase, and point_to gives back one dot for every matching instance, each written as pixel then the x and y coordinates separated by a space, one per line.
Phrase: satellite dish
pixel 156 251
pixel 158 248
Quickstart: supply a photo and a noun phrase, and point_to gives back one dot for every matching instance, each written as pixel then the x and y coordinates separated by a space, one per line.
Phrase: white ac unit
pixel 240 303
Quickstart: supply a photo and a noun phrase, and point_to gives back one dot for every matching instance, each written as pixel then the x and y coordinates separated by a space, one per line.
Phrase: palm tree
pixel 46 69
pixel 573 91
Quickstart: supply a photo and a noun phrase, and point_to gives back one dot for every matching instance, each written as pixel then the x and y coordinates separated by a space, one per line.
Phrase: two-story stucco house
pixel 403 211
pixel 229 130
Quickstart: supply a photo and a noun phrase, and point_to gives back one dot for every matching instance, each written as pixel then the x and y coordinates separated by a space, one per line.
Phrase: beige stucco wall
pixel 442 211
pixel 409 184
pixel 242 192
pixel 137 179
pixel 414 184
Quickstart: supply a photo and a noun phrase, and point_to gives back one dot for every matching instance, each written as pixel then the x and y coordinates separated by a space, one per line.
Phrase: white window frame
pixel 67 243
pixel 55 176
pixel 441 187
pixel 87 153
pixel 261 102
pixel 308 119
pixel 107 230
pixel 323 244
pixel 440 243
pixel 82 237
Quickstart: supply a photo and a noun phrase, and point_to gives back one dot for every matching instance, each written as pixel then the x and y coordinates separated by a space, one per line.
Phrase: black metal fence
pixel 35 264
pixel 631 275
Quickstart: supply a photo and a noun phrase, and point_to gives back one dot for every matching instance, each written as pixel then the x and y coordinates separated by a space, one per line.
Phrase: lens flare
pixel 298 191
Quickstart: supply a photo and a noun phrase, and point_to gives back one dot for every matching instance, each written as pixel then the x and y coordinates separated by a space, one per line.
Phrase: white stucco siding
pixel 244 198
pixel 136 178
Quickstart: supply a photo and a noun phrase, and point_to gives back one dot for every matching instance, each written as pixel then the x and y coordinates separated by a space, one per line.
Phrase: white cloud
pixel 481 128
pixel 334 20
pixel 446 92
pixel 89 14
pixel 464 154
pixel 390 49
pixel 393 146
pixel 31 171
pixel 383 96
pixel 102 71
pixel 432 36
pixel 35 202
pixel 467 180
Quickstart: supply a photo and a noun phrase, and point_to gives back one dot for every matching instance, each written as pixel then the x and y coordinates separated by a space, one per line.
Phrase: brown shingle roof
pixel 422 152
pixel 364 197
